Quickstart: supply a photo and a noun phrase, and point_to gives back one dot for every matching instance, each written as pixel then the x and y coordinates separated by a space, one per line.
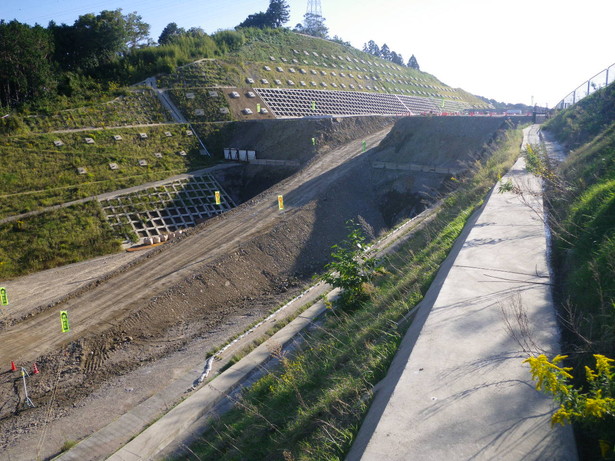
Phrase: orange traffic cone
pixel 35 369
pixel 13 367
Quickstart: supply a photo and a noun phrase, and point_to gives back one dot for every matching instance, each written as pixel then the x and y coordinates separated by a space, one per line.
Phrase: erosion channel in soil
pixel 132 330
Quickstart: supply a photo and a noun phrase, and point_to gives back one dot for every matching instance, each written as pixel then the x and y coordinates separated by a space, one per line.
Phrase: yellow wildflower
pixel 561 416
pixel 603 366
pixel 548 375
pixel 591 375
pixel 595 407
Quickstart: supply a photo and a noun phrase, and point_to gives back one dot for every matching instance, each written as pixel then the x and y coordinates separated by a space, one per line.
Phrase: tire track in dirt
pixel 107 304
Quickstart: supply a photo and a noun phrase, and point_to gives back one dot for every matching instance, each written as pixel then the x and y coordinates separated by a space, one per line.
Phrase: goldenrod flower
pixel 561 416
pixel 548 375
pixel 591 375
pixel 595 407
pixel 576 405
pixel 604 367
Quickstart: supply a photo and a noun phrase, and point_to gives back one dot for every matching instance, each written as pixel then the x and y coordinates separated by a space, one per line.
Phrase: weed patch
pixel 54 239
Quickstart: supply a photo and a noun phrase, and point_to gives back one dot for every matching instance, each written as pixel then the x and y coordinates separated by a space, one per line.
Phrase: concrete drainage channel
pixel 135 435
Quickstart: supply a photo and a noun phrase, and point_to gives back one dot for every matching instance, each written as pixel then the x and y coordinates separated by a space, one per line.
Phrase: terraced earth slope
pixel 205 287
pixel 229 270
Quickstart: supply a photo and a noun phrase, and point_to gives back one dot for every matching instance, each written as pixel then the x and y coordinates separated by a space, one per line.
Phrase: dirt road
pixel 112 301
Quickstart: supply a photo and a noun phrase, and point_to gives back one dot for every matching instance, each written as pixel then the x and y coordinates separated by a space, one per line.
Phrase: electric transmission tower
pixel 314 8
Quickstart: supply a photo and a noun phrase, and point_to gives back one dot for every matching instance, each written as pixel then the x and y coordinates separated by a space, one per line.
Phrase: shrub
pixel 351 269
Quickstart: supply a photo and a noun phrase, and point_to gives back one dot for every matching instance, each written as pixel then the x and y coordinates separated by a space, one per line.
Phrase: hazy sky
pixel 509 50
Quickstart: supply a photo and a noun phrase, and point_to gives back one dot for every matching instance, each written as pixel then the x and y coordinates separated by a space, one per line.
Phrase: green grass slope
pixel 305 58
pixel 584 208
pixel 583 215
pixel 41 174
pixel 586 119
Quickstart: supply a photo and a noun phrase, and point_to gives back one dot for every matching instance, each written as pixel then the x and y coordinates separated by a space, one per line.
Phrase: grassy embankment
pixel 582 205
pixel 43 175
pixel 312 406
pixel 306 59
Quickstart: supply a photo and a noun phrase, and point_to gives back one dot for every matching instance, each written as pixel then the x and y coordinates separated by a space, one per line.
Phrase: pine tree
pixel 413 63
pixel 385 52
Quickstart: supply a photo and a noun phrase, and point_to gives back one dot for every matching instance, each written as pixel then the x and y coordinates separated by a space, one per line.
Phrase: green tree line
pixel 42 66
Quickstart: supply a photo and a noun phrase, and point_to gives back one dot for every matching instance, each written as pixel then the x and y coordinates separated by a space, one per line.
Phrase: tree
pixel 26 72
pixel 278 12
pixel 314 25
pixel 137 31
pixel 95 40
pixel 196 32
pixel 397 58
pixel 276 15
pixel 169 32
pixel 258 20
pixel 413 63
pixel 340 40
pixel 385 52
pixel 373 48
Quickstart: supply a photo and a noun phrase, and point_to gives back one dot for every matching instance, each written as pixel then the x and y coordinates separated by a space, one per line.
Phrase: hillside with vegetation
pixel 582 206
pixel 81 120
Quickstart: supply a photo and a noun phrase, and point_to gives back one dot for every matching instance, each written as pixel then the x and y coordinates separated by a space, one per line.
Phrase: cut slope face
pixel 441 142
pixel 421 158
pixel 208 285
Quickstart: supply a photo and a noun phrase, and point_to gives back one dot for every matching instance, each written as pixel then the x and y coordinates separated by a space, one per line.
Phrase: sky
pixel 514 51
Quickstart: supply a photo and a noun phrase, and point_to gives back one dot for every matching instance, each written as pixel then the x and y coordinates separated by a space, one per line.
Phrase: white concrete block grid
pixel 298 103
pixel 167 208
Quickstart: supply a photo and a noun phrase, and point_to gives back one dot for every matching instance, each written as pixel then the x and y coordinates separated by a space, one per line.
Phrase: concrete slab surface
pixel 459 390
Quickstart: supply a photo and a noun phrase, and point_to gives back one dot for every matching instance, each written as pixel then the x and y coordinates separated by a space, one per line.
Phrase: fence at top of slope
pixel 600 80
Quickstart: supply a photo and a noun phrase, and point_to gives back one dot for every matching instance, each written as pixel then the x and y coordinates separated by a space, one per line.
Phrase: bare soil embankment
pixel 201 289
pixel 438 149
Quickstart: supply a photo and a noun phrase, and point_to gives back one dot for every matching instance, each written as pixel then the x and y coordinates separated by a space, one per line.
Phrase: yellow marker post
pixel 4 299
pixel 217 195
pixel 64 321
pixel 313 141
pixel 258 108
pixel 313 105
pixel 280 202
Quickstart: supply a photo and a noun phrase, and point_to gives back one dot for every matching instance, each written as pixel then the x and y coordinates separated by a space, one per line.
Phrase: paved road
pixel 457 389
